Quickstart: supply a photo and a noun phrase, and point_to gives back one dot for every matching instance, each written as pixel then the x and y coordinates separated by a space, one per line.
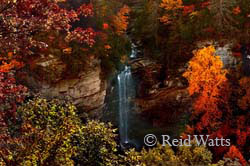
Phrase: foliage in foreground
pixel 97 145
pixel 43 135
pixel 50 133
pixel 164 156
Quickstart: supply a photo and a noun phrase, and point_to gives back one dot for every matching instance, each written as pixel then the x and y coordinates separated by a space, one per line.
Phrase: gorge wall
pixel 86 90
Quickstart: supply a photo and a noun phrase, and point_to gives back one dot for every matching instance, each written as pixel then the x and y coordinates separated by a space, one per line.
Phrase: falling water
pixel 126 90
pixel 134 51
pixel 125 84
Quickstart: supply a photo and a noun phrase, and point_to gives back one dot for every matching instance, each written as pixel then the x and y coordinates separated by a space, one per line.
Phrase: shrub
pixel 43 135
pixel 97 145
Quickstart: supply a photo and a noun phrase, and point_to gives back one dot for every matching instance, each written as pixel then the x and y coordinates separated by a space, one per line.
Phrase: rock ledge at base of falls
pixel 86 90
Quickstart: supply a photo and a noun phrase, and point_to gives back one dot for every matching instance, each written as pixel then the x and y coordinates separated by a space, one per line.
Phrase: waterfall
pixel 124 83
pixel 126 90
pixel 134 51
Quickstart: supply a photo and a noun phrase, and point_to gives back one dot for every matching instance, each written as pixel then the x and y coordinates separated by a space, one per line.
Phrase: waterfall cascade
pixel 126 90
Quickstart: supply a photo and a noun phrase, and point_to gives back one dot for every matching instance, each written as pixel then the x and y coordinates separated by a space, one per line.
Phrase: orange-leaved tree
pixel 171 7
pixel 120 21
pixel 212 113
pixel 208 82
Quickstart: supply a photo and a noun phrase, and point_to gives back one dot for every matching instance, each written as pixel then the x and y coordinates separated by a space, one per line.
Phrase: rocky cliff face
pixel 160 101
pixel 224 51
pixel 86 90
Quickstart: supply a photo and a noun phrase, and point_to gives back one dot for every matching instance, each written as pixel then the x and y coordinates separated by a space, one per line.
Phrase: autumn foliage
pixel 235 153
pixel 171 7
pixel 21 23
pixel 207 79
pixel 22 20
pixel 244 102
pixel 51 133
pixel 11 94
pixel 212 112
pixel 120 21
pixel 42 135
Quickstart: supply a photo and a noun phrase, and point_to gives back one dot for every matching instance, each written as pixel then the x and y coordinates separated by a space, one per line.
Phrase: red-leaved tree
pixel 10 95
pixel 21 20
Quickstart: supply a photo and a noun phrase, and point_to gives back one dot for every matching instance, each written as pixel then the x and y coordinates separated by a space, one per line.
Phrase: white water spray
pixel 126 93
